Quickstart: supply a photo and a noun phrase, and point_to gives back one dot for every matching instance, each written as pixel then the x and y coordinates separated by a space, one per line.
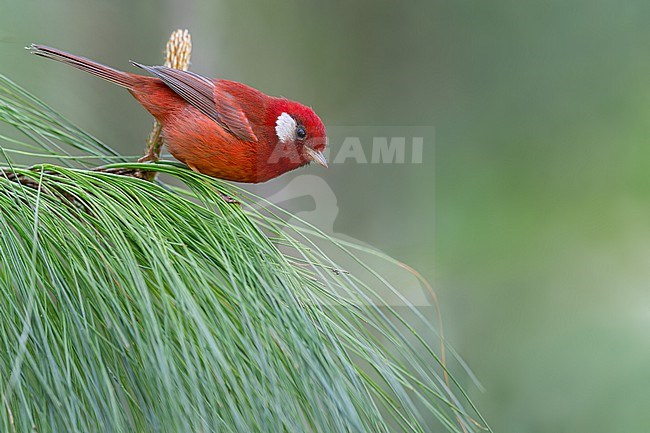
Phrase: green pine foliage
pixel 136 306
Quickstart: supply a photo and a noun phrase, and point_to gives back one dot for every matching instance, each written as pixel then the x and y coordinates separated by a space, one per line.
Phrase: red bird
pixel 217 127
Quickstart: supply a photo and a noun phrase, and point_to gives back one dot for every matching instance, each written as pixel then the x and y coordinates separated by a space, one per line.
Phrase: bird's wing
pixel 201 93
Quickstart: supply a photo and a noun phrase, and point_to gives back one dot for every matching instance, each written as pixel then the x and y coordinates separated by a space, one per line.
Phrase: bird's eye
pixel 301 133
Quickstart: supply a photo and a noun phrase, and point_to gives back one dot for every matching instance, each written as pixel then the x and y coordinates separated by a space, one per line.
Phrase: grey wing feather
pixel 199 92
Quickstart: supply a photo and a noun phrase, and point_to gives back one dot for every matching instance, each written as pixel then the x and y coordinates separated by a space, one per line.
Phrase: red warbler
pixel 220 128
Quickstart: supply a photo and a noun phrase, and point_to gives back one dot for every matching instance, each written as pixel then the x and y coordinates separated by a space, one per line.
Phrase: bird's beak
pixel 316 156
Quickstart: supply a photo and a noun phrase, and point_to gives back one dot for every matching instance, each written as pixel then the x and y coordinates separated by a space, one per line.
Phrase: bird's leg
pixel 225 197
pixel 154 144
pixel 152 153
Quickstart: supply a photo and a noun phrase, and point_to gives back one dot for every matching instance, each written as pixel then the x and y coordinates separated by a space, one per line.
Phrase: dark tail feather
pixel 109 74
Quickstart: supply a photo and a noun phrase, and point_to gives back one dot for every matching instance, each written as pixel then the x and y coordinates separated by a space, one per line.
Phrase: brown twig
pixel 56 191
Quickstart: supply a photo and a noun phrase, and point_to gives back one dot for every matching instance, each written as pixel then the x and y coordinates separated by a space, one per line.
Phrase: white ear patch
pixel 285 127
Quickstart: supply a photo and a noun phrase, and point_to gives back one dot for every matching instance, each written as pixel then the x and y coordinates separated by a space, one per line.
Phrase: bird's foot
pixel 150 156
pixel 229 199
pixel 224 196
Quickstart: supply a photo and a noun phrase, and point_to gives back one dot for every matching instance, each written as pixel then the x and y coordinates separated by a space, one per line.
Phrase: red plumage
pixel 220 128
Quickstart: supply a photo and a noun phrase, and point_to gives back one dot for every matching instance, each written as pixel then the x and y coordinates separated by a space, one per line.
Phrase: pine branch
pixel 131 305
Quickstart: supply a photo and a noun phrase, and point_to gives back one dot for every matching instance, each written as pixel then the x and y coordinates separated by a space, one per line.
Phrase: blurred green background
pixel 530 212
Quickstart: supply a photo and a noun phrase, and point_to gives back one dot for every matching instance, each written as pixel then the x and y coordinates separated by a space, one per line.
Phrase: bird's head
pixel 300 135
